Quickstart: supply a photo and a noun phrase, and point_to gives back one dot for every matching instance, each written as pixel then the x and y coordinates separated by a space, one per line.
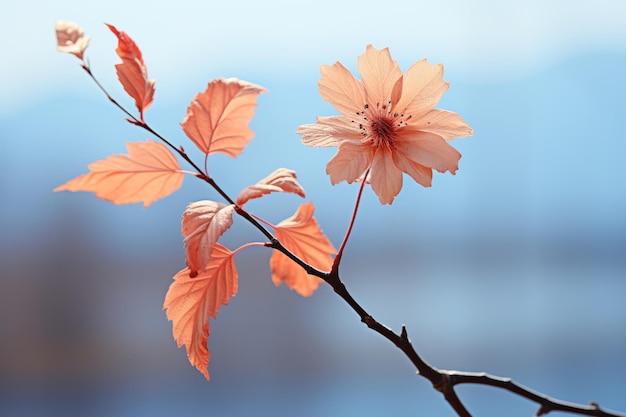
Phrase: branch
pixel 442 380
pixel 439 379
pixel 546 403
pixel 445 381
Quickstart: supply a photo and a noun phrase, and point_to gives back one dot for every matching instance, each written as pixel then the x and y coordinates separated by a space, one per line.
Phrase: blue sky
pixel 189 40
pixel 514 266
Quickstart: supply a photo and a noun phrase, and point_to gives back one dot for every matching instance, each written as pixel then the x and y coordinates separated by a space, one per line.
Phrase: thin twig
pixel 200 174
pixel 546 403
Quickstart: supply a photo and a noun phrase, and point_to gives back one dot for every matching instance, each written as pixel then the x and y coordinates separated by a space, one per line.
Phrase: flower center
pixel 382 129
pixel 380 125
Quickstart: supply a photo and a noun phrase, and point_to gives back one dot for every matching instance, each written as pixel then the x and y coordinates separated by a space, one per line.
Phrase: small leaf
pixel 149 172
pixel 303 237
pixel 282 179
pixel 217 119
pixel 190 302
pixel 203 223
pixel 71 39
pixel 132 71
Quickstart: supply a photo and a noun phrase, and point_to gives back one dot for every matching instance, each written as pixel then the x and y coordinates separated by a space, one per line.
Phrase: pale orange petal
pixel 330 131
pixel 422 88
pixel 427 149
pixel 447 124
pixel 339 88
pixel 351 159
pixel 420 174
pixel 385 177
pixel 396 92
pixel 379 74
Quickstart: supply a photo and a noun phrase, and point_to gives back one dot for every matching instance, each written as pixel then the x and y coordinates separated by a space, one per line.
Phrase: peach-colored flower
pixel 71 39
pixel 388 123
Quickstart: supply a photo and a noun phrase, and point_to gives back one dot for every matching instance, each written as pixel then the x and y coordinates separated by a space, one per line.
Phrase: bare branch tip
pixel 404 334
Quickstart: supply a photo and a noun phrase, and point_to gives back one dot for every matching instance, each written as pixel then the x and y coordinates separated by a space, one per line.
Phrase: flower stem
pixel 337 260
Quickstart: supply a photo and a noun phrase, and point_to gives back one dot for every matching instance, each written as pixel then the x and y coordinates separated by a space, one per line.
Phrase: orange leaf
pixel 149 172
pixel 132 71
pixel 191 301
pixel 301 235
pixel 282 179
pixel 217 120
pixel 203 223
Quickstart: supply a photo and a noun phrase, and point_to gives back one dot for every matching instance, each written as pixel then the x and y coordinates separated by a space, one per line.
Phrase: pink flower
pixel 71 39
pixel 388 123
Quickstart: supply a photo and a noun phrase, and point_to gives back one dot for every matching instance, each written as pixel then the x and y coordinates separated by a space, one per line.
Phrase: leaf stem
pixel 260 219
pixel 246 246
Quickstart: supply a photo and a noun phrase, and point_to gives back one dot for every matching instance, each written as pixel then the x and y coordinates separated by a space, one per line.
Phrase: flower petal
pixel 422 88
pixel 349 162
pixel 379 74
pixel 329 131
pixel 339 88
pixel 447 124
pixel 396 92
pixel 385 177
pixel 420 174
pixel 427 149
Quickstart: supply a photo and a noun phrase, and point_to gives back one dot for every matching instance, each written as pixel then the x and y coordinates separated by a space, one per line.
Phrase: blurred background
pixel 515 266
